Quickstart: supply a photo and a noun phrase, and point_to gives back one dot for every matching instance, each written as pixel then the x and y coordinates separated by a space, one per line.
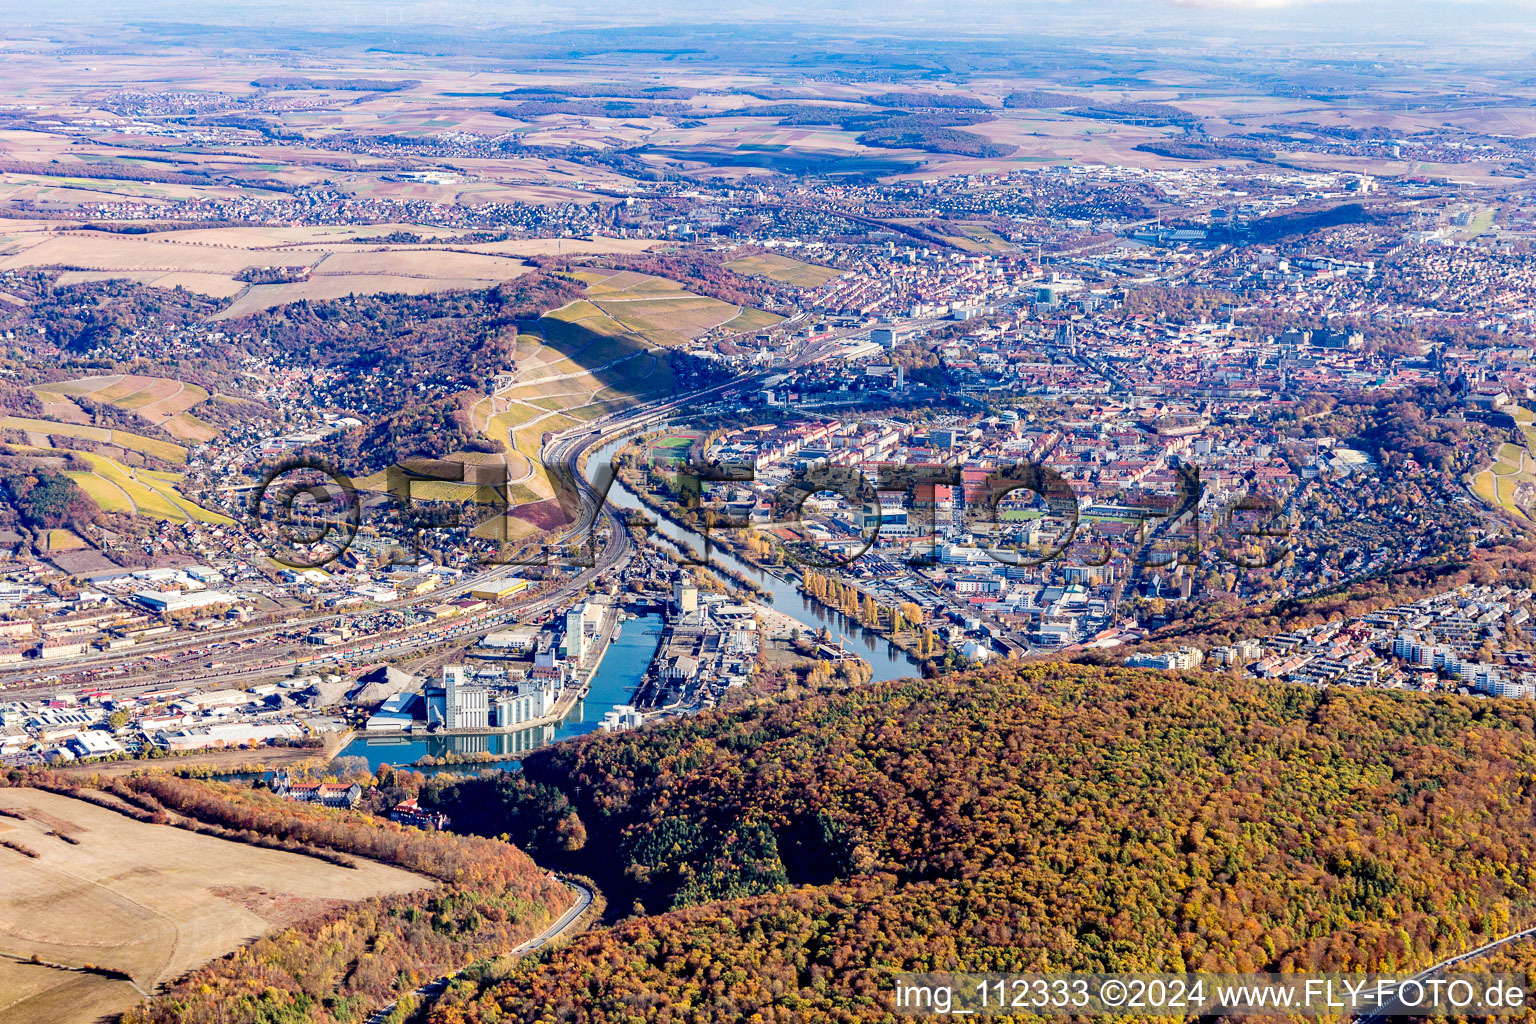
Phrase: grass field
pixel 64 540
pixel 670 448
pixel 1527 423
pixel 979 238
pixel 669 321
pixel 150 900
pixel 784 269
pixel 750 319
pixel 1480 224
pixel 172 453
pixel 1498 491
pixel 108 496
pixel 132 490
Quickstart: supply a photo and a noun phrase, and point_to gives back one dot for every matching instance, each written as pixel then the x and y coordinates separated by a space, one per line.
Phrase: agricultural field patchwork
pixel 165 450
pixel 142 903
pixel 159 401
pixel 340 261
pixel 662 311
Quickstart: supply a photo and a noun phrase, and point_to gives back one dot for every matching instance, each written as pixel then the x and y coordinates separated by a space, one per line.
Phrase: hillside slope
pixel 1031 818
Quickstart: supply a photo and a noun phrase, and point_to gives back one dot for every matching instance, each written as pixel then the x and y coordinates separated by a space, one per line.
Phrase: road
pixel 171 663
pixel 433 989
pixel 613 547
pixel 1383 1012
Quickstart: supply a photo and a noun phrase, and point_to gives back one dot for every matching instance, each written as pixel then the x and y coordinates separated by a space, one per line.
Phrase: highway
pixel 1382 1013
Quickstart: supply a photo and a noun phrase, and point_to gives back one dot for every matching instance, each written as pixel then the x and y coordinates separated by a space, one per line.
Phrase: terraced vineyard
pixel 159 401
pixel 132 490
pixel 164 450
pixel 782 268
pixel 1509 482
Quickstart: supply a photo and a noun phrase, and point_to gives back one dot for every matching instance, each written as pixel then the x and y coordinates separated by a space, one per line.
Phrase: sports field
pixel 673 447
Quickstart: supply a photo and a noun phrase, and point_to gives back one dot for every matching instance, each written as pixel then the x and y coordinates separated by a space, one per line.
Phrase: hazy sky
pixel 1501 23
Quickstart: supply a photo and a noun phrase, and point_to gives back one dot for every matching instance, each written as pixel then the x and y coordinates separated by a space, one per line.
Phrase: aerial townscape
pixel 621 514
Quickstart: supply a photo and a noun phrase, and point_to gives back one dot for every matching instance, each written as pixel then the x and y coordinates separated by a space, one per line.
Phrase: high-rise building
pixel 581 626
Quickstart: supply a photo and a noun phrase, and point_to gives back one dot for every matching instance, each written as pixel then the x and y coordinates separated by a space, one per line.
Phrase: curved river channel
pixel 627 659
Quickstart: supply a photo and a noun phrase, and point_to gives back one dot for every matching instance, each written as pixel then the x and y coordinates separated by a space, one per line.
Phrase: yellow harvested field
pixel 145 491
pixel 95 250
pixel 64 540
pixel 672 322
pixel 753 320
pixel 152 901
pixel 215 286
pixel 173 453
pixel 1510 477
pixel 35 994
pixel 432 263
pixel 657 309
pixel 609 283
pixel 146 500
pixel 108 496
pixel 85 432
pixel 344 260
pixel 567 246
pixel 275 237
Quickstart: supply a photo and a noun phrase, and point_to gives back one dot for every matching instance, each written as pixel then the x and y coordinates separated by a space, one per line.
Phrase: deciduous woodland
pixel 787 858
pixel 342 965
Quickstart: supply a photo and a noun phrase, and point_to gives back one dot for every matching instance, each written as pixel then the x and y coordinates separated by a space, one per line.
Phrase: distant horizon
pixel 1500 24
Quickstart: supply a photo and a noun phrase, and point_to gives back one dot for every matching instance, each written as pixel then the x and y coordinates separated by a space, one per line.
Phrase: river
pixel 887 660
pixel 627 659
pixel 617 677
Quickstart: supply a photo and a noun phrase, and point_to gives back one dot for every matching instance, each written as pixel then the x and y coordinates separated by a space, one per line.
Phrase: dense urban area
pixel 756 522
